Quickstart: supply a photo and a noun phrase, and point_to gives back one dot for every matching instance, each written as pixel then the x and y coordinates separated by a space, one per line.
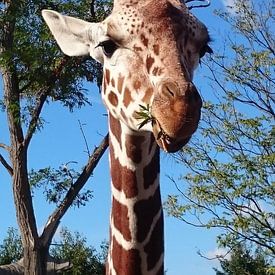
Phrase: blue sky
pixel 61 141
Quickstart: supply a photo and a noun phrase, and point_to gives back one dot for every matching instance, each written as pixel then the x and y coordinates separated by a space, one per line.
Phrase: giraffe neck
pixel 136 223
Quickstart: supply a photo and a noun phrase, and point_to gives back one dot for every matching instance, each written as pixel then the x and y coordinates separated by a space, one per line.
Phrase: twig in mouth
pixel 146 115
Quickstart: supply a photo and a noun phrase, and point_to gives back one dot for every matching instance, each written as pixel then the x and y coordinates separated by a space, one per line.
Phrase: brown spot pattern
pixel 154 248
pixel 121 219
pixel 144 40
pixel 115 128
pixel 127 99
pixel 137 48
pixel 137 84
pixel 125 260
pixel 149 62
pixel 151 171
pixel 156 49
pixel 107 76
pixel 134 147
pixel 123 179
pixel 120 83
pixel 148 95
pixel 113 98
pixel 113 83
pixel 145 211
pixel 156 71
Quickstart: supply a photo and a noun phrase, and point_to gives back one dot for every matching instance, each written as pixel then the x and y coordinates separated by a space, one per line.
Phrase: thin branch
pixel 84 137
pixel 54 219
pixel 4 146
pixel 35 117
pixel 6 165
pixel 217 257
pixel 42 99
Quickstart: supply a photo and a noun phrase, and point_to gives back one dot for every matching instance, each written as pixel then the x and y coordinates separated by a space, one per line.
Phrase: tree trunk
pixel 24 211
pixel 18 150
pixel 34 261
pixel 21 188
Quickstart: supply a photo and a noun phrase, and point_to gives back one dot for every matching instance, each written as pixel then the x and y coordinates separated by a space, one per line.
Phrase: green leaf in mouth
pixel 145 115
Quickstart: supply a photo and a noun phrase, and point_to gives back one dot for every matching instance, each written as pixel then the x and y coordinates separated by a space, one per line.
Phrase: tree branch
pixel 35 118
pixel 4 146
pixel 6 165
pixel 54 219
pixel 84 137
pixel 42 99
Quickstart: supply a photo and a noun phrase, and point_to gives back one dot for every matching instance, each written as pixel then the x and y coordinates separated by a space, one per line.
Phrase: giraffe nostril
pixel 170 90
pixel 187 91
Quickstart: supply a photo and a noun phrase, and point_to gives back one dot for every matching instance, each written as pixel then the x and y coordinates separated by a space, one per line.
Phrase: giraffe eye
pixel 204 50
pixel 108 47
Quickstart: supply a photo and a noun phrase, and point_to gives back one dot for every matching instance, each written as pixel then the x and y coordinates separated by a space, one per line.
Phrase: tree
pixel 11 250
pixel 34 72
pixel 84 259
pixel 72 247
pixel 231 164
pixel 243 262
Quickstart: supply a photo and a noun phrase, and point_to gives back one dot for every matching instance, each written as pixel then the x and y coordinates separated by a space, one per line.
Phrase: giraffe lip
pixel 166 142
pixel 162 138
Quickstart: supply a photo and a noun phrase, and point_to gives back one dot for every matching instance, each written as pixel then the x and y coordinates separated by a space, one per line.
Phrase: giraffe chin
pixel 174 147
pixel 166 143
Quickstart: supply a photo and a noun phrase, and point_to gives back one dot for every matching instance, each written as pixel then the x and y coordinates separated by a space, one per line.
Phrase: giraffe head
pixel 149 50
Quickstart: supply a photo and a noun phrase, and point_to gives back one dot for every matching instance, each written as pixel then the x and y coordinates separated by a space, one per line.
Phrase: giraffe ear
pixel 74 36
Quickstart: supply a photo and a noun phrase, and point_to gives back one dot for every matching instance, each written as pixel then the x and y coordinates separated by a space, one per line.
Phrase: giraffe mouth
pixel 161 137
pixel 167 143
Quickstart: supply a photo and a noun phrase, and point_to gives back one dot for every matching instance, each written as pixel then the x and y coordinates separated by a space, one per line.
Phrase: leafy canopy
pixel 242 261
pixel 231 164
pixel 71 247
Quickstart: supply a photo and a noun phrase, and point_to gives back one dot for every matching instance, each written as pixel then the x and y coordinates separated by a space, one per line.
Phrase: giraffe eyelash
pixel 108 47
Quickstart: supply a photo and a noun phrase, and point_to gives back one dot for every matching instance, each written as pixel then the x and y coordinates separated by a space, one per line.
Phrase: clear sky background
pixel 61 141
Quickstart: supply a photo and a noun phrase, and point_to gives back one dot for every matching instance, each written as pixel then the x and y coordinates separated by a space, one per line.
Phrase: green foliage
pixel 232 163
pixel 243 262
pixel 39 65
pixel 43 74
pixel 11 249
pixel 145 115
pixel 56 183
pixel 34 73
pixel 74 248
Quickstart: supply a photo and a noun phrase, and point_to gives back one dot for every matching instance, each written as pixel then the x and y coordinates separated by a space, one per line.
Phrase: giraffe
pixel 149 50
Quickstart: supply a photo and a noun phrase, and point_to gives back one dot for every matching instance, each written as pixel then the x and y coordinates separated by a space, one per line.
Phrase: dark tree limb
pixel 35 117
pixel 42 99
pixel 6 165
pixel 54 219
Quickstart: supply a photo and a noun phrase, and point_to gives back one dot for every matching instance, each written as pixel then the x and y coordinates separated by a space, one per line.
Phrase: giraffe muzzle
pixel 176 110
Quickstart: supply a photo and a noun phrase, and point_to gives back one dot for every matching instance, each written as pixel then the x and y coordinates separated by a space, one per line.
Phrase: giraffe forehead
pixel 138 21
pixel 161 21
